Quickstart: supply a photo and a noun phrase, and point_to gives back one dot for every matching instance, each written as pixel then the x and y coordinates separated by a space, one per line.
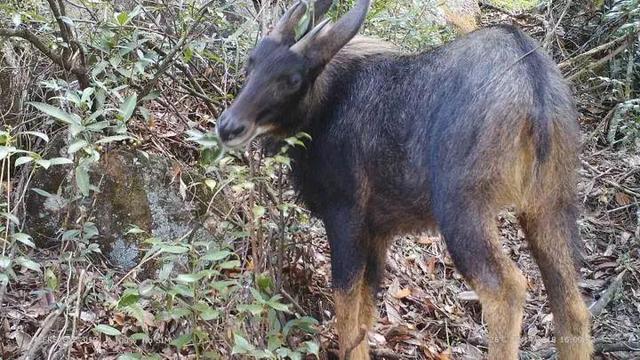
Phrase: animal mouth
pixel 242 140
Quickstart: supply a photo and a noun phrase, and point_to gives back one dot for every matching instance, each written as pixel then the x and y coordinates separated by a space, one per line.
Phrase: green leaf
pixel 122 18
pixel 82 180
pixel 22 160
pixel 50 279
pixel 24 238
pixel 140 337
pixel 304 323
pixel 44 163
pixel 77 145
pixel 265 283
pixel 113 138
pixel 241 345
pixel 209 314
pixel 55 112
pixel 173 249
pixel 128 298
pixel 302 25
pixel 134 229
pixel 42 192
pixel 189 278
pixel 258 211
pixel 6 151
pixel 5 261
pixel 60 161
pixel 254 309
pixel 211 184
pixel 107 330
pixel 311 347
pixel 216 255
pixel 42 136
pixel 179 312
pixel 275 304
pixel 14 219
pixel 181 341
pixel 127 108
pixel 28 263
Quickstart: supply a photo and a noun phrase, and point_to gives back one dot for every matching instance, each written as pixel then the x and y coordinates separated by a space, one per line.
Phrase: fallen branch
pixel 40 336
pixel 597 307
pixel 610 182
pixel 613 347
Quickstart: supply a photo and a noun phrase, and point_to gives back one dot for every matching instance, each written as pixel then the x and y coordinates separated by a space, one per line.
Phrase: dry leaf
pixel 402 293
pixel 622 198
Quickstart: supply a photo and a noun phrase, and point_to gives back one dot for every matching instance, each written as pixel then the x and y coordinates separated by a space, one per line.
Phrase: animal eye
pixel 294 80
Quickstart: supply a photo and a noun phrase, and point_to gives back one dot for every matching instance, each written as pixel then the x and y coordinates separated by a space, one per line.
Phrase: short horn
pixel 284 31
pixel 324 41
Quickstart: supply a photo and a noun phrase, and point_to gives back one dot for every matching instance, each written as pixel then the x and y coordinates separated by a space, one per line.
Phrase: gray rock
pixel 134 191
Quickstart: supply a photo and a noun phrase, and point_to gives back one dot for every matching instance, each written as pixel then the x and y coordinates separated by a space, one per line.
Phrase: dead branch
pixel 40 336
pixel 613 347
pixel 602 61
pixel 81 73
pixel 596 50
pixel 57 14
pixel 168 59
pixel 597 307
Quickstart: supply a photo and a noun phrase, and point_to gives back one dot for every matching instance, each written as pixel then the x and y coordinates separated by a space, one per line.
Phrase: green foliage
pixel 622 77
pixel 515 5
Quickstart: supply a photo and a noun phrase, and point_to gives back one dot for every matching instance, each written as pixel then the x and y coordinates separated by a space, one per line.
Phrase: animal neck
pixel 318 102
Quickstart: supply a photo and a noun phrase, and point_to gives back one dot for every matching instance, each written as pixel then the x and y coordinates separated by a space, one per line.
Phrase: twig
pixel 293 301
pixel 79 71
pixel 597 307
pixel 166 62
pixel 610 182
pixel 144 261
pixel 76 315
pixel 613 347
pixel 600 62
pixel 596 50
pixel 38 339
pixel 547 38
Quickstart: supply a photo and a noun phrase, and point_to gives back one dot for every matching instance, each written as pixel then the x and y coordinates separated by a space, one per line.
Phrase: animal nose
pixel 228 129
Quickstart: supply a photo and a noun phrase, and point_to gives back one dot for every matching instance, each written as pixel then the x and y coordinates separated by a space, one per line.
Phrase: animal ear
pixel 284 32
pixel 321 43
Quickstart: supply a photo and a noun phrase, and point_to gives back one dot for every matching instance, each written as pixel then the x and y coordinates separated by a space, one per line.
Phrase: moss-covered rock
pixel 134 190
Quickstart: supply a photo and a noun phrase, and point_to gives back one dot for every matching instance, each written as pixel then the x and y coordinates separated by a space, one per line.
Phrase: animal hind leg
pixel 552 233
pixel 472 240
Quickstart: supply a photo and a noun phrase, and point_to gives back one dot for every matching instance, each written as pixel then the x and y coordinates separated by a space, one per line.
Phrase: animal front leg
pixel 352 331
pixel 348 265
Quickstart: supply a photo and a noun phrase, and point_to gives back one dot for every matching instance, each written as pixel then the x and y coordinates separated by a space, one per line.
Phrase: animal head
pixel 281 71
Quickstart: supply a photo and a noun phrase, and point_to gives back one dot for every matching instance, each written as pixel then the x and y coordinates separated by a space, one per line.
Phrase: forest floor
pixel 426 310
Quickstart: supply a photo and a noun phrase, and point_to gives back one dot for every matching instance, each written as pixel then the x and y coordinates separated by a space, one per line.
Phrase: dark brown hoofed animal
pixel 407 142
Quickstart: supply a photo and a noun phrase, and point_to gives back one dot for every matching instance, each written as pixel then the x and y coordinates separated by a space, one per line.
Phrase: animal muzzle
pixel 235 132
